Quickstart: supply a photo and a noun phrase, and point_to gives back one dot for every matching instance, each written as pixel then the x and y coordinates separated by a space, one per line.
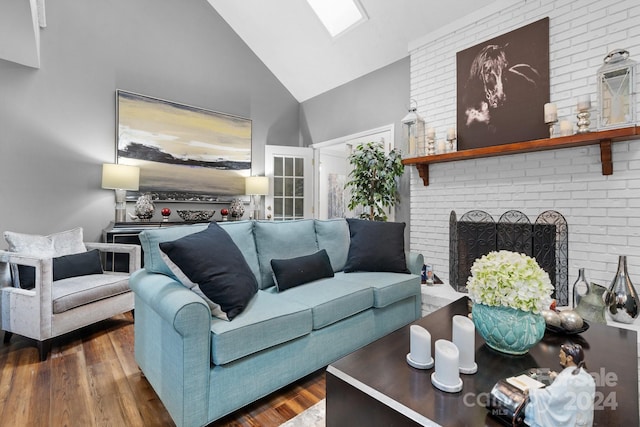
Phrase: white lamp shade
pixel 257 185
pixel 122 177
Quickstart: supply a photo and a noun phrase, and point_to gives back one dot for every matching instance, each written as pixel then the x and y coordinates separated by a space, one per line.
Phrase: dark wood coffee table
pixel 374 386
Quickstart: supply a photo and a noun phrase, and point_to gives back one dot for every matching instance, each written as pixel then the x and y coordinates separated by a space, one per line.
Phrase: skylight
pixel 338 16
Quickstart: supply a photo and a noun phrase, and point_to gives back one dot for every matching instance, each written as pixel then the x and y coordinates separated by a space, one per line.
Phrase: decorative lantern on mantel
pixel 413 133
pixel 616 88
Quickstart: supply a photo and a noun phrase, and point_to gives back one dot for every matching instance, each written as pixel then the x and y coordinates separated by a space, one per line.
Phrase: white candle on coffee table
pixel 464 337
pixel 420 343
pixel 446 376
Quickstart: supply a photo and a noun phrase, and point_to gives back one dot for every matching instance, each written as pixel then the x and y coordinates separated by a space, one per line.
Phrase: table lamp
pixel 120 178
pixel 256 187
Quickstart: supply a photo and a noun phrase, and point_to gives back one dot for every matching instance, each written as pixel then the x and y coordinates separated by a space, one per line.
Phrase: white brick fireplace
pixel 602 212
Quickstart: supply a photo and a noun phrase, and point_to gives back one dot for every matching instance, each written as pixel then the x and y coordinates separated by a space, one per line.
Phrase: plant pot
pixel 507 329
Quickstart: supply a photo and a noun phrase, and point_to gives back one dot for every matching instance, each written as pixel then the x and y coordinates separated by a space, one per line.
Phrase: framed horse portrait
pixel 503 84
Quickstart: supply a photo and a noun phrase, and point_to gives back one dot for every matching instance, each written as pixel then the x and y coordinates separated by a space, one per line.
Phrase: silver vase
pixel 580 287
pixel 622 298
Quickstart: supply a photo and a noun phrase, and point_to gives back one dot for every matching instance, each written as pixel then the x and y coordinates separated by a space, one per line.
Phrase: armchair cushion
pixel 54 245
pixel 80 290
pixel 81 264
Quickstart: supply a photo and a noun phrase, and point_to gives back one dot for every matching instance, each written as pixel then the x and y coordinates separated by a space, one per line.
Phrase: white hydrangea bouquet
pixel 510 279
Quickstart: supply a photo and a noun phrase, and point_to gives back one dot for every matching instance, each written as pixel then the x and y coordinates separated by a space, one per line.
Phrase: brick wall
pixel 603 212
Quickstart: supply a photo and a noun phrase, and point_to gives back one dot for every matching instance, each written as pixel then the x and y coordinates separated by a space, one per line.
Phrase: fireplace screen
pixel 476 234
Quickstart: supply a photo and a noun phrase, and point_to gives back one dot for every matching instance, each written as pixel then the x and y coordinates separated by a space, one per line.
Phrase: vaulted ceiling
pixel 290 40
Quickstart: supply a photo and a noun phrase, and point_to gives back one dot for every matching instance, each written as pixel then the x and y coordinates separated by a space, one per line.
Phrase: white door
pixel 333 169
pixel 290 172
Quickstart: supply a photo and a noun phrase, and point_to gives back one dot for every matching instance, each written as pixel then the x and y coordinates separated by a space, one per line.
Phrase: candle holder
pixel 431 146
pixel 450 147
pixel 552 125
pixel 583 121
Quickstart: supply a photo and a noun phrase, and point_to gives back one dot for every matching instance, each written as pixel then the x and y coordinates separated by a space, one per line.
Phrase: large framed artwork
pixel 185 153
pixel 503 84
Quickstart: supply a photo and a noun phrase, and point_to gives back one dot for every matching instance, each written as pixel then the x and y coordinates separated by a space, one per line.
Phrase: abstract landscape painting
pixel 185 153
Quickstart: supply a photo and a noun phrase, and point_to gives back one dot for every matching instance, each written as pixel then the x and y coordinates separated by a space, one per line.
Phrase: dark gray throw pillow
pixel 291 272
pixel 80 264
pixel 376 246
pixel 210 264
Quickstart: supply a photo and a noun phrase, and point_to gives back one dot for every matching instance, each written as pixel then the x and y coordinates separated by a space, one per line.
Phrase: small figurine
pixel 557 404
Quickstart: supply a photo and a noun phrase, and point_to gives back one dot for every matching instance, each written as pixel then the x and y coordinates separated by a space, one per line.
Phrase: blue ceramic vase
pixel 507 329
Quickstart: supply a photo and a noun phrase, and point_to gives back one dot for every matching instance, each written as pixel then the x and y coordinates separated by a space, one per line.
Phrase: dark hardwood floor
pixel 91 379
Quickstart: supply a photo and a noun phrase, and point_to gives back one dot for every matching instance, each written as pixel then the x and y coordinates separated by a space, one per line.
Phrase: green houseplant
pixel 373 180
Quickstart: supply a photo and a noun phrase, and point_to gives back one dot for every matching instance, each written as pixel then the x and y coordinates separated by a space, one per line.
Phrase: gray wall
pixel 376 99
pixel 57 123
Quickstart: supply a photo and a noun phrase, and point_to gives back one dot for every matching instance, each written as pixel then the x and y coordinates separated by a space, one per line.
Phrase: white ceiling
pixel 288 37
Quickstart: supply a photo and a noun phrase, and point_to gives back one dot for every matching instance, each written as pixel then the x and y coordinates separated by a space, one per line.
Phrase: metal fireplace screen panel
pixel 476 235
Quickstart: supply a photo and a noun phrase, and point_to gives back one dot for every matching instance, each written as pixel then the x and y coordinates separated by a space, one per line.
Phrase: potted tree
pixel 373 180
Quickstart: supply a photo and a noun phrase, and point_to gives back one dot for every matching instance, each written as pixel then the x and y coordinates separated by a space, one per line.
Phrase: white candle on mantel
pixel 464 337
pixel 441 147
pixel 431 133
pixel 584 102
pixel 550 112
pixel 420 345
pixel 566 128
pixel 451 133
pixel 447 356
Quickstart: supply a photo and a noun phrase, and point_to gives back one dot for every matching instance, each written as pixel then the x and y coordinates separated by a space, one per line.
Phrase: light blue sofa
pixel 203 368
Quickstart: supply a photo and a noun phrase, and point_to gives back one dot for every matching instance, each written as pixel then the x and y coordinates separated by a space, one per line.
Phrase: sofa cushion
pixel 241 233
pixel 292 272
pixel 150 240
pixel 210 264
pixel 54 245
pixel 331 300
pixel 281 240
pixel 388 288
pixel 80 290
pixel 376 246
pixel 333 236
pixel 269 320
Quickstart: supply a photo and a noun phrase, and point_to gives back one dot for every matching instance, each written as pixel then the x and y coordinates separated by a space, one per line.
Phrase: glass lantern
pixel 413 134
pixel 616 106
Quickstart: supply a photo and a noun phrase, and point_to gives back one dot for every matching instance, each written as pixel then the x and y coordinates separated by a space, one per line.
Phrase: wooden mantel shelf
pixel 604 138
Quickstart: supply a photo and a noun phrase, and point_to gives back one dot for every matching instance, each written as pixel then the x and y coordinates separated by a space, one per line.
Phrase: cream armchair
pixel 53 308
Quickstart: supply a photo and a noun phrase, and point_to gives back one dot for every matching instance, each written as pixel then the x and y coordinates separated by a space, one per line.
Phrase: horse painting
pixel 503 85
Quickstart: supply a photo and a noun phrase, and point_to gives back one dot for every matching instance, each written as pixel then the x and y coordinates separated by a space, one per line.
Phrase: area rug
pixel 312 417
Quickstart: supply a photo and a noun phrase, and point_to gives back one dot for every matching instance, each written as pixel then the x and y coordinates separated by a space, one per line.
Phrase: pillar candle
pixel 447 356
pixel 420 344
pixel 431 133
pixel 566 128
pixel 584 102
pixel 550 112
pixel 451 133
pixel 464 337
pixel 441 147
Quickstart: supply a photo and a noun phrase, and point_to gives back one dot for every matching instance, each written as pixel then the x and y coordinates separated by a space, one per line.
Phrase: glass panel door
pixel 290 169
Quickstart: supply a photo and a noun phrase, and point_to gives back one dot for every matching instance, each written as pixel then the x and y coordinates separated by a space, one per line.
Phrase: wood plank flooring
pixel 91 379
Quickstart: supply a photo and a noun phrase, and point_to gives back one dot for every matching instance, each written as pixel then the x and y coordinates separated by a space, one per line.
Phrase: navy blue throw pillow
pixel 80 264
pixel 376 246
pixel 288 273
pixel 210 264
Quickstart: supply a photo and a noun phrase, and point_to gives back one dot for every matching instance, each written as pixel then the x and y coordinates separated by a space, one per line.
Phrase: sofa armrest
pixel 173 344
pixel 134 251
pixel 415 261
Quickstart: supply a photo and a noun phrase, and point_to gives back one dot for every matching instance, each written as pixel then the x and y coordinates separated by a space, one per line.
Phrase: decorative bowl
pixel 195 215
pixel 563 331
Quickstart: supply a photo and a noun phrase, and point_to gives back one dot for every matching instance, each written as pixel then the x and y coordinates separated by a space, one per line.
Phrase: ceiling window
pixel 338 16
